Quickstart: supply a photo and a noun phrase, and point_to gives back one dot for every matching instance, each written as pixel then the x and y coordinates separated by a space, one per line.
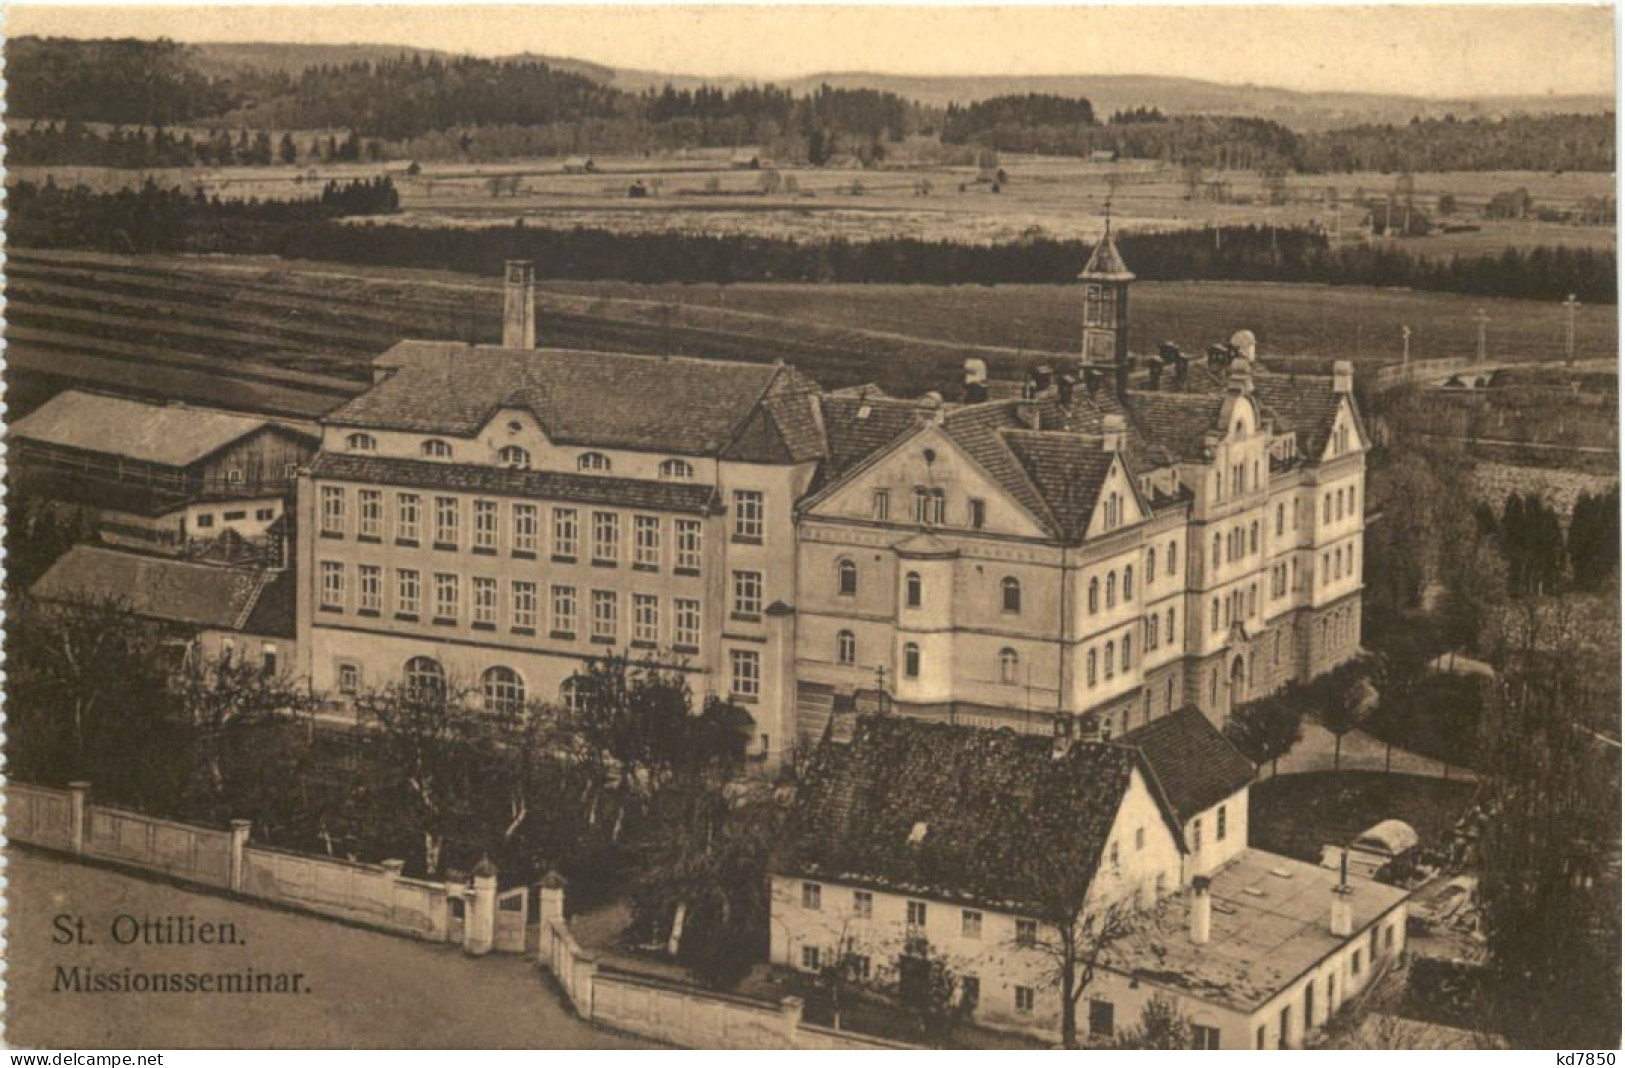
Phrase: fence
pixel 672 1012
pixel 376 895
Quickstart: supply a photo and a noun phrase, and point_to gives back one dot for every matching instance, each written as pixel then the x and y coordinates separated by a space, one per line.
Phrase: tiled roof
pixel 857 427
pixel 1106 263
pixel 1177 422
pixel 1304 404
pixel 542 485
pixel 155 587
pixel 951 812
pixel 978 430
pixel 1068 471
pixel 1196 765
pixel 173 435
pixel 612 400
pixel 273 611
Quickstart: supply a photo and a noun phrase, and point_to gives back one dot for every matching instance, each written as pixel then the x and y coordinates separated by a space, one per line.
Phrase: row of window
pixel 915 913
pixel 1339 502
pixel 1237 544
pixel 524 528
pixel 1240 603
pixel 502 689
pixel 930 508
pixel 205 520
pixel 1336 564
pixel 523 609
pixel 517 456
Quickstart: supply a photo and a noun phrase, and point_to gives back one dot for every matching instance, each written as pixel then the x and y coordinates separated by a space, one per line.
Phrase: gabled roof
pixel 1304 404
pixel 173 435
pixel 1068 471
pixel 155 587
pixel 858 427
pixel 612 400
pixel 1196 765
pixel 950 812
pixel 1176 422
pixel 695 497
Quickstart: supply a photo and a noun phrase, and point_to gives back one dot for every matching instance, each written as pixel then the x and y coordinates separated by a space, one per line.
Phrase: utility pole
pixel 1483 321
pixel 1572 305
pixel 1405 336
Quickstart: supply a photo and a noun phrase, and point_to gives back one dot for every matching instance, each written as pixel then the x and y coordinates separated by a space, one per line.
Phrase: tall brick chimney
pixel 519 306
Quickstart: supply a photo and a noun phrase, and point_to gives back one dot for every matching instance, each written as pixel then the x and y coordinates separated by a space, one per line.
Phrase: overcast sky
pixel 1440 51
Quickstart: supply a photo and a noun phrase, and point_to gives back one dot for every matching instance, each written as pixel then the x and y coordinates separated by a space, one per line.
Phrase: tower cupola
pixel 1106 282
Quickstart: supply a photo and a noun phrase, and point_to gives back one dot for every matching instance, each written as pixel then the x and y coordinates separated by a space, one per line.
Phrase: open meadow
pixel 710 192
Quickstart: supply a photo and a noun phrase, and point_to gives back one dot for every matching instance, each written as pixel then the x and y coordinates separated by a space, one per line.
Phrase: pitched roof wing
pixel 1068 471
pixel 1196 765
pixel 173 435
pixel 156 587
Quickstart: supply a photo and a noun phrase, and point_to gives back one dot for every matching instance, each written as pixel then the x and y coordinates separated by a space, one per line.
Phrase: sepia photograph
pixel 811 528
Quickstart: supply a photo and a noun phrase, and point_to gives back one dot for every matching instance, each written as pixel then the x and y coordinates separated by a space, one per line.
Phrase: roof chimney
pixel 1156 374
pixel 1065 384
pixel 975 381
pixel 519 306
pixel 1244 344
pixel 1342 377
pixel 1042 378
pixel 1114 426
pixel 1201 910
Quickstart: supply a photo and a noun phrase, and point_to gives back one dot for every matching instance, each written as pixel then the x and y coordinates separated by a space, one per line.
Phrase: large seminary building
pixel 1110 545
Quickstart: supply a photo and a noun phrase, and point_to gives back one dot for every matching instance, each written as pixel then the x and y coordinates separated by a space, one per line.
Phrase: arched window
pixel 1010 589
pixel 515 456
pixel 676 470
pixel 847 577
pixel 914 589
pixel 846 647
pixel 1111 659
pixel 1150 566
pixel 1280 520
pixel 1111 589
pixel 1094 596
pixel 504 690
pixel 573 693
pixel 1217 549
pixel 425 676
pixel 1253 537
pixel 911 661
pixel 1215 625
pixel 1009 664
pixel 1171 631
pixel 592 461
pixel 1151 638
pixel 361 443
pixel 1173 556
pixel 1128 583
pixel 1128 651
pixel 435 449
pixel 939 507
pixel 1091 670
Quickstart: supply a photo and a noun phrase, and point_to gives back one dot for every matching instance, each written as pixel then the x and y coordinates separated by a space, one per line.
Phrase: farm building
pixel 196 609
pixel 926 838
pixel 163 474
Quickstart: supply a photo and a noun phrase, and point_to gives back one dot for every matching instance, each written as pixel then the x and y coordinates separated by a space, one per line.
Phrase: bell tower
pixel 1105 307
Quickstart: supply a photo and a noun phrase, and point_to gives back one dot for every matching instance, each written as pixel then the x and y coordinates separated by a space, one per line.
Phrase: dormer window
pixel 361 443
pixel 592 461
pixel 676 470
pixel 515 456
pixel 435 449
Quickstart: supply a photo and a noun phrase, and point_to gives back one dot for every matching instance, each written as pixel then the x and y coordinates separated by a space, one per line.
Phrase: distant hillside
pixel 1114 92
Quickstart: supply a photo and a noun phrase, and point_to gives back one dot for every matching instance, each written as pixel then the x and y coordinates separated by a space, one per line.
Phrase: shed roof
pixel 156 587
pixel 174 435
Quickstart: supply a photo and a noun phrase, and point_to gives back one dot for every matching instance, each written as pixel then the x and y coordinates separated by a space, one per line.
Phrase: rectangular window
pixel 1219 833
pixel 970 923
pixel 605 609
pixel 606 537
pixel 407 517
pixel 812 896
pixel 264 514
pixel 333 511
pixel 646 541
pixel 204 521
pixel 564 611
pixel 447 516
pixel 645 618
pixel 1204 1037
pixel 809 958
pixel 446 596
pixel 1196 836
pixel 370 582
pixel 1024 999
pixel 970 991
pixel 686 631
pixel 748 515
pixel 1102 1018
pixel 268 658
pixel 1026 932
pixel 745 672
pixel 881 504
pixel 978 514
pixel 863 904
pixel 1354 962
pixel 485 526
pixel 916 914
pixel 566 533
pixel 332 586
pixel 862 966
pixel 524 605
pixel 524 529
pixel 408 592
pixel 485 601
pixel 349 680
pixel 688 545
pixel 372 513
pixel 234 517
pixel 747 594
